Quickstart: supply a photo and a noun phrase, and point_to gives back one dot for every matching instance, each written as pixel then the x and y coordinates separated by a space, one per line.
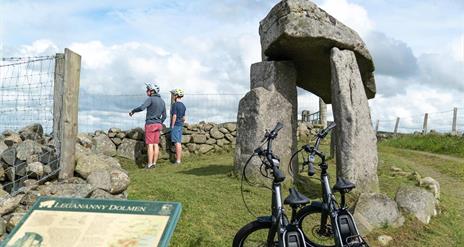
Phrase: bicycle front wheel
pixel 317 230
pixel 255 234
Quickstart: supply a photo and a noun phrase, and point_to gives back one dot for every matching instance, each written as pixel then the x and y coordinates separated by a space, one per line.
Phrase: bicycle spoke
pixel 257 239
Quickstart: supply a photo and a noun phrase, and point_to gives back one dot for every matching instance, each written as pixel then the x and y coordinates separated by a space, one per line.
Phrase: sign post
pixel 54 221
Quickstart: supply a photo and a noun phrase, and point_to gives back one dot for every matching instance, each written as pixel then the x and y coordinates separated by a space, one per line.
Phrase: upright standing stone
pixel 356 152
pixel 273 89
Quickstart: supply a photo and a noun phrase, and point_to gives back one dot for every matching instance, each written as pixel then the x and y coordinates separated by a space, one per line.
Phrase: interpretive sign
pixel 58 222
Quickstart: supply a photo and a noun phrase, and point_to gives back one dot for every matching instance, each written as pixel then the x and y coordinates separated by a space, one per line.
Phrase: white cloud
pixel 439 103
pixel 458 49
pixel 351 14
pixel 38 48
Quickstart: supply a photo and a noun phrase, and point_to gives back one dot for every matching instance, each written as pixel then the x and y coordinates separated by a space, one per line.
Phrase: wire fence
pixel 101 112
pixel 19 173
pixel 26 97
pixel 446 121
pixel 26 92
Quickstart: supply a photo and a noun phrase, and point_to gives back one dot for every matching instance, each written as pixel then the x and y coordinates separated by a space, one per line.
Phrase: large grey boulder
pixel 186 139
pixel 431 185
pixel 136 134
pixel 199 138
pixel 205 148
pixel 100 179
pixel 32 132
pixel 14 220
pixel 130 149
pixel 30 197
pixel 273 90
pixel 417 201
pixel 35 170
pixel 300 31
pixel 101 194
pixel 9 156
pixel 117 141
pixel 87 164
pixel 75 190
pixel 356 142
pixel 231 127
pixel 28 148
pixel 81 151
pixel 103 144
pixel 119 181
pixel 215 133
pixel 8 204
pixel 3 147
pixel 374 210
pixel 85 140
pixel 11 138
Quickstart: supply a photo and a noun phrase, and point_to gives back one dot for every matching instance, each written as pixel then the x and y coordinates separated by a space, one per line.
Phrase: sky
pixel 207 46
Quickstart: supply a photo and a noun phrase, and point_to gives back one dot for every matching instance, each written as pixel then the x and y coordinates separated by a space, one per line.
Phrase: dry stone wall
pixel 29 162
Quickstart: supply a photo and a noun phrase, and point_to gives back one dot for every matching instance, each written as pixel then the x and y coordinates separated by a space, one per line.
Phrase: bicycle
pixel 333 221
pixel 273 230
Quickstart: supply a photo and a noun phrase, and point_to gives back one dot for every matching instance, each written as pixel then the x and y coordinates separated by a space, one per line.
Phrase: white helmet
pixel 152 86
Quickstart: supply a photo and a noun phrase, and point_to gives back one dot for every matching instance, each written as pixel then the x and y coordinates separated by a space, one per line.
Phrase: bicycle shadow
pixel 211 170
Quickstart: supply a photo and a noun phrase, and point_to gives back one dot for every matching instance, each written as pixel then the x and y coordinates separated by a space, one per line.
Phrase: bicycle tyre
pixel 244 233
pixel 313 212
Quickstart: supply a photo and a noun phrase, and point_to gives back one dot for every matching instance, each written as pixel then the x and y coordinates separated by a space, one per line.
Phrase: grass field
pixel 434 143
pixel 213 210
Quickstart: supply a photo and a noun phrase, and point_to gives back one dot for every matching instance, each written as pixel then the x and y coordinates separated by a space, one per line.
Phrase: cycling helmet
pixel 153 87
pixel 178 92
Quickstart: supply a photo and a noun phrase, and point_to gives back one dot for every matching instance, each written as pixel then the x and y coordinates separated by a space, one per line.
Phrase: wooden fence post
pixel 65 109
pixel 425 125
pixel 455 118
pixel 322 113
pixel 396 125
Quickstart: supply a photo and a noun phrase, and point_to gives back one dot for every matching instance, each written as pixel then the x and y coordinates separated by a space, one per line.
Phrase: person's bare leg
pixel 150 153
pixel 155 153
pixel 178 152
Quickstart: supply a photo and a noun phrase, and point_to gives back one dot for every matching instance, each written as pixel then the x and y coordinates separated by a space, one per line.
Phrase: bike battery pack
pixel 347 228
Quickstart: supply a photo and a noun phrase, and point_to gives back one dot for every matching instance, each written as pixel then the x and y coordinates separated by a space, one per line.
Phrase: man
pixel 177 121
pixel 156 114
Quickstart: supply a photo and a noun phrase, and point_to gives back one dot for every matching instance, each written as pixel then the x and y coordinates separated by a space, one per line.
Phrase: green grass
pixel 213 210
pixel 446 227
pixel 435 143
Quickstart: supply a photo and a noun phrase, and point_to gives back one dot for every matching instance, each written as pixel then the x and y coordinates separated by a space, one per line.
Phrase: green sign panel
pixel 58 222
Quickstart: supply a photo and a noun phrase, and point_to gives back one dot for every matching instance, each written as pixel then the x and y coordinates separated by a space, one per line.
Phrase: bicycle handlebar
pixel 326 131
pixel 273 133
pixel 267 153
pixel 313 151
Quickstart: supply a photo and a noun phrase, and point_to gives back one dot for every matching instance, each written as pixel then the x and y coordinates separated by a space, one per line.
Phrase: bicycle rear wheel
pixel 309 221
pixel 254 234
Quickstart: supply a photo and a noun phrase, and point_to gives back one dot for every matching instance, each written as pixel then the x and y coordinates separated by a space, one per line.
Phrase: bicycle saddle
pixel 343 185
pixel 295 198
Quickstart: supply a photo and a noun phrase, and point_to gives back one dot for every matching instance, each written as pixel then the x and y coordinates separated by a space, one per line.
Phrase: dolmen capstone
pixel 304 46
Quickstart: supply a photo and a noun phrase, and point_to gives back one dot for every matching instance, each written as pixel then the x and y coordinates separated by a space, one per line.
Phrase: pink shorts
pixel 152 133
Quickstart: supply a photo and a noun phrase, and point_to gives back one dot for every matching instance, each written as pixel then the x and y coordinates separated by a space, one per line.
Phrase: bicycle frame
pixel 278 218
pixel 329 207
